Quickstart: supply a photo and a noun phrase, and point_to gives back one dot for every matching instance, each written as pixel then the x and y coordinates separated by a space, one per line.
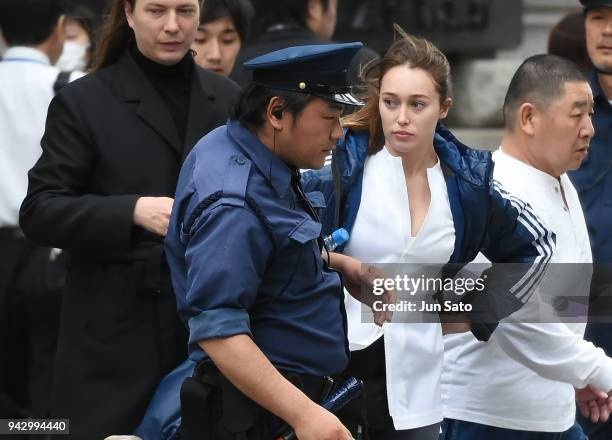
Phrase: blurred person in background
pixel 593 181
pixel 567 39
pixel 223 30
pixel 80 27
pixel 29 298
pixel 111 153
pixel 280 24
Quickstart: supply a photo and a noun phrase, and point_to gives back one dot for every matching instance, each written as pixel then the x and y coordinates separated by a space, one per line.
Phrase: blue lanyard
pixel 26 60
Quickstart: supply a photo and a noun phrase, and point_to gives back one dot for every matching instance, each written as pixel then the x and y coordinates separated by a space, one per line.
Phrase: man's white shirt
pixel 26 89
pixel 524 377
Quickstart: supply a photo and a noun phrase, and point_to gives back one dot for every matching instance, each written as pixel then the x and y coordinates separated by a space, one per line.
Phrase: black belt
pixel 315 387
pixel 11 233
pixel 214 409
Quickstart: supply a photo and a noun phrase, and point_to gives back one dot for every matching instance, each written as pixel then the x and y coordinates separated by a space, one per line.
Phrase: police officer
pixel 245 254
pixel 593 180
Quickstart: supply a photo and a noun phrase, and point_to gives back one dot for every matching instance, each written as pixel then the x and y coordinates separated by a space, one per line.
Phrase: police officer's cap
pixel 590 4
pixel 316 69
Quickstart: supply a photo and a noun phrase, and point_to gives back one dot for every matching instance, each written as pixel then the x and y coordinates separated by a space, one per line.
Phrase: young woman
pixel 409 192
pixel 223 30
pixel 80 27
pixel 111 154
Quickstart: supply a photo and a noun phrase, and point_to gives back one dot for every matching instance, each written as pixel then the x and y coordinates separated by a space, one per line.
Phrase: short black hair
pixel 29 22
pixel 540 80
pixel 286 12
pixel 250 107
pixel 240 12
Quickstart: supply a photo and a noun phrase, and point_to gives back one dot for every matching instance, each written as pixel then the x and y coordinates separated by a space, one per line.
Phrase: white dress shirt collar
pixel 25 54
pixel 529 172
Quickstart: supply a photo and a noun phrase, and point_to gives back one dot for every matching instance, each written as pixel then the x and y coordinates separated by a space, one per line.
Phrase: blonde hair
pixel 415 52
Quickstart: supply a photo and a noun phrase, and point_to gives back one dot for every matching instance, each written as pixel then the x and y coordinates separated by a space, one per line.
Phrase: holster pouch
pixel 197 411
pixel 212 408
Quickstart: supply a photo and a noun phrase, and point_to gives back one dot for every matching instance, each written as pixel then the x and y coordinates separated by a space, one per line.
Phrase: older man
pixel 521 384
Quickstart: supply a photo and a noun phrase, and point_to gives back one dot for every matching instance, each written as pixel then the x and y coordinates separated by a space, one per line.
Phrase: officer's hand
pixel 319 424
pixel 359 280
pixel 153 214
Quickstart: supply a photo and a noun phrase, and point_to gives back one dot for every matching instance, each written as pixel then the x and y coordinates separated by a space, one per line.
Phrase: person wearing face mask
pixel 103 189
pixel 222 31
pixel 79 28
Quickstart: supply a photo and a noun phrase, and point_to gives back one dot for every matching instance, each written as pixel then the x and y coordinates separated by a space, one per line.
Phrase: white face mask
pixel 73 56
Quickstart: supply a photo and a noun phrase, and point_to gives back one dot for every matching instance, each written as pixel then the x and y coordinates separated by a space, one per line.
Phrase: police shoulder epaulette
pixel 235 180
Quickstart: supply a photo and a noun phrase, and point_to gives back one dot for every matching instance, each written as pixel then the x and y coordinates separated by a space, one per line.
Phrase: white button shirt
pixel 382 234
pixel 26 89
pixel 524 377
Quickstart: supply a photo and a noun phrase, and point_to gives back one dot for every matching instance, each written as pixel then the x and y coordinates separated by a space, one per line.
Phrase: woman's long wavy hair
pixel 115 35
pixel 415 52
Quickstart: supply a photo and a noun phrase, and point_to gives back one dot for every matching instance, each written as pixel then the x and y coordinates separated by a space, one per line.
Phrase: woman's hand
pixel 455 327
pixel 153 214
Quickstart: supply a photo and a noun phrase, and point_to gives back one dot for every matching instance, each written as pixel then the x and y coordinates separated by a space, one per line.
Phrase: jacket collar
pixel 277 172
pixel 598 93
pixel 136 88
pixel 471 165
pixel 460 159
pixel 200 117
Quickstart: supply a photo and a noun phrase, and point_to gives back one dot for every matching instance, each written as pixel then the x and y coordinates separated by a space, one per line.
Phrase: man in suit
pixel 103 187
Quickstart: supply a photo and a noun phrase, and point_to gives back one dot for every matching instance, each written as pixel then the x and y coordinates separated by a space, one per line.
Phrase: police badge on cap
pixel 590 4
pixel 315 69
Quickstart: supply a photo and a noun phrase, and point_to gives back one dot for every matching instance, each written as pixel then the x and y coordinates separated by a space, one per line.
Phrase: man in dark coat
pixel 294 23
pixel 593 181
pixel 103 187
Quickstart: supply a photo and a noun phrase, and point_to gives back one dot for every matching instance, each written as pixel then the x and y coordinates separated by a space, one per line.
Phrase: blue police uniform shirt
pixel 243 252
pixel 593 180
